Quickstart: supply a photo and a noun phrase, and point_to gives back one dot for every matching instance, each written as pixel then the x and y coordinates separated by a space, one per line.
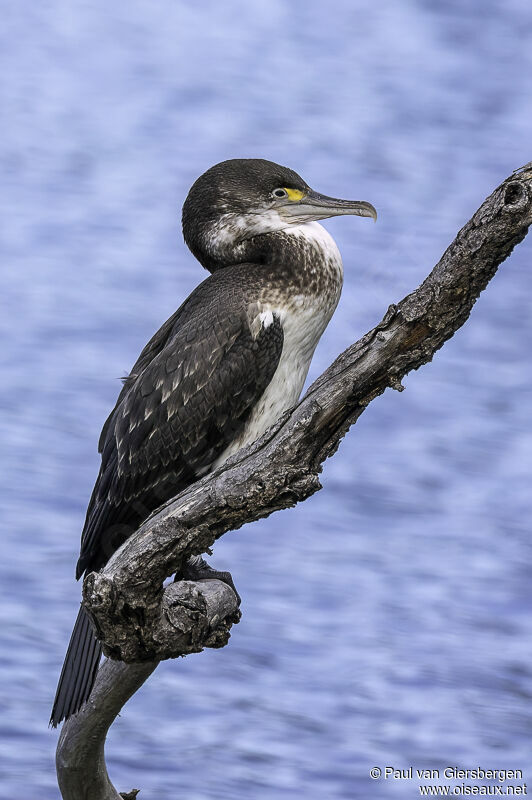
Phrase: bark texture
pixel 139 621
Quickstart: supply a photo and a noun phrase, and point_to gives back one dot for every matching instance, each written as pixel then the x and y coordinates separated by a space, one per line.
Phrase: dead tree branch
pixel 126 599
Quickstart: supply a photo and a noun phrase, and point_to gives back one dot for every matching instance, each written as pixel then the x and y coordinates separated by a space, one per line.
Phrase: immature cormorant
pixel 221 370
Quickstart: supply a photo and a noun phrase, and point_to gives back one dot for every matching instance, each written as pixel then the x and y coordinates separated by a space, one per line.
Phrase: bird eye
pixel 279 193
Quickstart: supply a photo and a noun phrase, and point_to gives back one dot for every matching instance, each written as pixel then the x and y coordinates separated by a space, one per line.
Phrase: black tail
pixel 79 670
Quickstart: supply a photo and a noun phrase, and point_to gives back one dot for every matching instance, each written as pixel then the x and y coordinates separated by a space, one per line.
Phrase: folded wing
pixel 189 394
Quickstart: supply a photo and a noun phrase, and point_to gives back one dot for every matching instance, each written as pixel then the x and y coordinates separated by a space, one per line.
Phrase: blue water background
pixel 387 620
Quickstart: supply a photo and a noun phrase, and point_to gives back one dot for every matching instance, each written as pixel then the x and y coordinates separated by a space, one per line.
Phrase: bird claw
pixel 197 569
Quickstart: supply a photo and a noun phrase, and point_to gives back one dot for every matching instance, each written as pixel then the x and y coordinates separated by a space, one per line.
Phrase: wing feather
pixel 189 394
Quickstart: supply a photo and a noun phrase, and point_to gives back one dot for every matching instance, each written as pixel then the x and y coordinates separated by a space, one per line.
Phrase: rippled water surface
pixel 387 620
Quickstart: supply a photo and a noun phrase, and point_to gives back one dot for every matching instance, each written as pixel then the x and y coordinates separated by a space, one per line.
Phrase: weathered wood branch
pixel 282 467
pixel 126 599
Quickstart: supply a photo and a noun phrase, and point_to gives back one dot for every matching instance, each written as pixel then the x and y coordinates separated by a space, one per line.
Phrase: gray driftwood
pixel 137 620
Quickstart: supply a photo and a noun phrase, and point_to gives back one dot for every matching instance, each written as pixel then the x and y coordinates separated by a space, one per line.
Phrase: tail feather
pixel 81 657
pixel 79 670
pixel 90 656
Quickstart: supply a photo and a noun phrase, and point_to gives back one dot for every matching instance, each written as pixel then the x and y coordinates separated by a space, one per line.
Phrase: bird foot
pixel 197 569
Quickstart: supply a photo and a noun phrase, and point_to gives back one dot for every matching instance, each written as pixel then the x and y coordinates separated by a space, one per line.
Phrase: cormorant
pixel 221 370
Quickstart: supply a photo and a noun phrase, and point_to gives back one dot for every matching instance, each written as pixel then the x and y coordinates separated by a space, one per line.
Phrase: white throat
pixel 231 232
pixel 304 315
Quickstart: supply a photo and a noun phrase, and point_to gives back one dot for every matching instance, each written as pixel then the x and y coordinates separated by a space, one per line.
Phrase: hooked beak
pixel 314 206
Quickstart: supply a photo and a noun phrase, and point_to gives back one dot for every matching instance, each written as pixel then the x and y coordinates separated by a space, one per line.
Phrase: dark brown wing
pixel 152 349
pixel 189 394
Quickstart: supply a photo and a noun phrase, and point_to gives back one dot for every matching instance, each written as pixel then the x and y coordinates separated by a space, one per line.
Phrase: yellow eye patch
pixel 294 195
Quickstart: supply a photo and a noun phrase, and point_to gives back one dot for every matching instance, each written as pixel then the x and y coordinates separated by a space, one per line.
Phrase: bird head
pixel 240 199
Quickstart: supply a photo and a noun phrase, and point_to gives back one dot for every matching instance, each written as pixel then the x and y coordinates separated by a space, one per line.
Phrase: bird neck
pixel 301 250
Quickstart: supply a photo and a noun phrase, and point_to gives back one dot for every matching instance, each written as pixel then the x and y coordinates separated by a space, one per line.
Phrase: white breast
pixel 303 317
